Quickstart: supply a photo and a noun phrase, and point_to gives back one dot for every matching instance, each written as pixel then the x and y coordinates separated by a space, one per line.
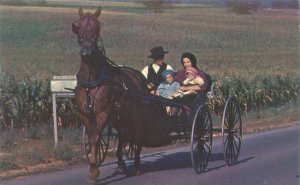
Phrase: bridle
pixel 96 40
pixel 95 83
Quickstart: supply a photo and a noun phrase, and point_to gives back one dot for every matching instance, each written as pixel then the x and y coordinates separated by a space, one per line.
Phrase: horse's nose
pixel 86 48
pixel 84 52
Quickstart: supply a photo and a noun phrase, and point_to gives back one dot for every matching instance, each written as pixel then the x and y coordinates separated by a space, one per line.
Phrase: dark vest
pixel 156 78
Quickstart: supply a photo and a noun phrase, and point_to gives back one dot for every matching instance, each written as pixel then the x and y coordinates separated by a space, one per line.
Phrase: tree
pixel 156 5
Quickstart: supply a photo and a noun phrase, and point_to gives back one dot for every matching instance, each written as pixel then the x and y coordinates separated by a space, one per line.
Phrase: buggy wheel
pixel 129 150
pixel 101 147
pixel 201 139
pixel 231 131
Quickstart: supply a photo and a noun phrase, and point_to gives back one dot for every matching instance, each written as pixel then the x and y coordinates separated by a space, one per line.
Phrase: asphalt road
pixel 268 158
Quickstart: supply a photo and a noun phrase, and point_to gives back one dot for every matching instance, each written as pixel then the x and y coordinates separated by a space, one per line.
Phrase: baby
pixel 191 84
pixel 192 78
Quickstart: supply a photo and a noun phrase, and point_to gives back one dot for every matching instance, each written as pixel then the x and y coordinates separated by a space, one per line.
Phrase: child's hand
pixel 186 81
pixel 150 86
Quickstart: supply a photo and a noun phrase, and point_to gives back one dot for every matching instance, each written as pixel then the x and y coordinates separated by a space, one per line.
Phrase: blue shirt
pixel 165 89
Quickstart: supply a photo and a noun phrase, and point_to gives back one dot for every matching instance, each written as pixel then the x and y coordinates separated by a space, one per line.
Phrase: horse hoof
pixel 121 169
pixel 89 180
pixel 94 175
pixel 137 172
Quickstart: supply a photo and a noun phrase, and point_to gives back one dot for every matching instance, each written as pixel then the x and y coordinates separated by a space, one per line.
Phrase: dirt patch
pixel 20 173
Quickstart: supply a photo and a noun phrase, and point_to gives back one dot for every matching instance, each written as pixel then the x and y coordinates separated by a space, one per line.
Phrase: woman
pixel 189 61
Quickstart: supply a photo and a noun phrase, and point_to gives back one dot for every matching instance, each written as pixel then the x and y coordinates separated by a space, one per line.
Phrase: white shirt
pixel 155 67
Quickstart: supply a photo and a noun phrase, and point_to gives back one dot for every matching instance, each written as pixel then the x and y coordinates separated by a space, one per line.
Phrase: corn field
pixel 27 102
pixel 260 92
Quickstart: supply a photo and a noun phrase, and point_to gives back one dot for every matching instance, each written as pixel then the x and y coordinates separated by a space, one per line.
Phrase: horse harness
pixel 89 85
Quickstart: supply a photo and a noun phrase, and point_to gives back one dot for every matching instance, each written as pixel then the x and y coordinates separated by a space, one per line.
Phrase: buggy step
pixel 217 129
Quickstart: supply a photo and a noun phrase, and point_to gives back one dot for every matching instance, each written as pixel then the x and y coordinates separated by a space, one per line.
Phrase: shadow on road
pixel 161 161
pixel 225 164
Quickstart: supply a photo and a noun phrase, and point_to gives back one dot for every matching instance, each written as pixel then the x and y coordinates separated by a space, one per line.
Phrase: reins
pixel 94 83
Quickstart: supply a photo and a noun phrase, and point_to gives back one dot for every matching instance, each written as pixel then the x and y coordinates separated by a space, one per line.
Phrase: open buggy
pixel 200 133
pixel 114 101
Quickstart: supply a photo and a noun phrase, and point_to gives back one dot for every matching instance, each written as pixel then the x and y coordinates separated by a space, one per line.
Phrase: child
pixel 192 83
pixel 169 86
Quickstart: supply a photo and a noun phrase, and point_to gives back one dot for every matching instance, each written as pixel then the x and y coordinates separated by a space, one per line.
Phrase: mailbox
pixel 61 86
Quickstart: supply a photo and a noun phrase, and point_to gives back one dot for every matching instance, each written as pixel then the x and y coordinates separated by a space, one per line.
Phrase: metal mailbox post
pixel 59 89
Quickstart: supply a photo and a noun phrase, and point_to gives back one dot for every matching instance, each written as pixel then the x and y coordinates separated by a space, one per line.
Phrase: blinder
pixel 75 28
pixel 87 28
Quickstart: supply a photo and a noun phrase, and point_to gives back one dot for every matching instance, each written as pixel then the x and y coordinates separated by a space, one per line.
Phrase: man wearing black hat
pixel 153 72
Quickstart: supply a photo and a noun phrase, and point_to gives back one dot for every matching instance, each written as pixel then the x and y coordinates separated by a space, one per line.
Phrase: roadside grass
pixel 272 118
pixel 22 150
pixel 24 153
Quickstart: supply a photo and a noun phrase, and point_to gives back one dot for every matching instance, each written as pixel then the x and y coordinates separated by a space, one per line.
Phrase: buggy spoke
pixel 202 134
pixel 232 131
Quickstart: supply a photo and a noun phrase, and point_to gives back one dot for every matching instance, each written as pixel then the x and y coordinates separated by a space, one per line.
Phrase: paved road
pixel 269 158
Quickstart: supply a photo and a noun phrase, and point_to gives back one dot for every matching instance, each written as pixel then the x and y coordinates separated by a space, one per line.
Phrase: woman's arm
pixel 193 87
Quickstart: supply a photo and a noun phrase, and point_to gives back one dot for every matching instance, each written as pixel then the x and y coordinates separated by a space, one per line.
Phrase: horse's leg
pixel 96 127
pixel 119 154
pixel 93 137
pixel 137 161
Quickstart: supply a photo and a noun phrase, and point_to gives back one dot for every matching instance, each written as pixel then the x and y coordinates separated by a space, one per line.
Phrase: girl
pixel 169 86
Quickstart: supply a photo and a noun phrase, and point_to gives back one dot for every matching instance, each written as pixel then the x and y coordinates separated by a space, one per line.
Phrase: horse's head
pixel 87 28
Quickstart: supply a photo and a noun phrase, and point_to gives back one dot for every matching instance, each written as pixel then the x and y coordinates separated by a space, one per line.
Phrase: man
pixel 153 72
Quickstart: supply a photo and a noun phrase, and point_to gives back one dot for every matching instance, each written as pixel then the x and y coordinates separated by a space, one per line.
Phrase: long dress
pixel 193 101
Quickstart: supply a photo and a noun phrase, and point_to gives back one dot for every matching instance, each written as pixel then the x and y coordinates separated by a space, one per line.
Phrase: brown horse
pixel 109 94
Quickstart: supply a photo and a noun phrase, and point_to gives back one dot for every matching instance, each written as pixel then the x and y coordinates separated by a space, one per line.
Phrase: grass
pixel 41 42
pixel 22 155
pixel 23 152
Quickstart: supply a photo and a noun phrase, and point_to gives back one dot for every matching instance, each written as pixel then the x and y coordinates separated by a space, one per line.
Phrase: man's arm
pixel 169 67
pixel 145 71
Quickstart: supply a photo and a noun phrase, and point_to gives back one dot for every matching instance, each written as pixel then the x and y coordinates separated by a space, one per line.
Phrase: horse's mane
pixel 120 69
pixel 136 77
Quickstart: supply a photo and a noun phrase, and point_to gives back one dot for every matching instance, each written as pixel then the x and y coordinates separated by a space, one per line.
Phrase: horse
pixel 108 94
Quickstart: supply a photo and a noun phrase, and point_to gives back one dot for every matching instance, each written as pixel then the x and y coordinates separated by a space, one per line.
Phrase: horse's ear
pixel 98 12
pixel 80 12
pixel 75 28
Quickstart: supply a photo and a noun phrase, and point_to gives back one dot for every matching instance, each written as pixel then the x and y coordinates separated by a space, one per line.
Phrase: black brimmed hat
pixel 158 52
